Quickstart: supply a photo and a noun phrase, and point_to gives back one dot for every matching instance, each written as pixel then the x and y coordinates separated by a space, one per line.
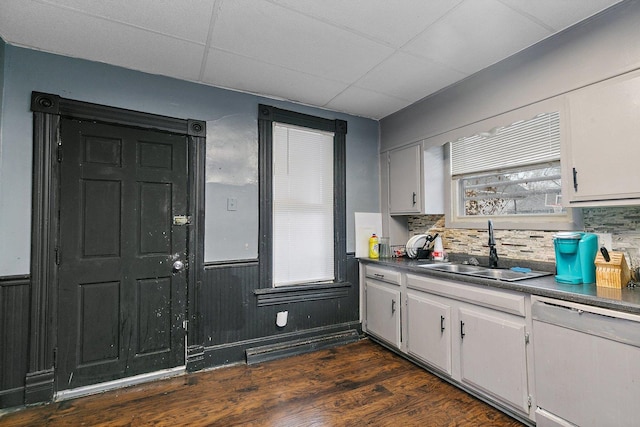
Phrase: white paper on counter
pixel 367 223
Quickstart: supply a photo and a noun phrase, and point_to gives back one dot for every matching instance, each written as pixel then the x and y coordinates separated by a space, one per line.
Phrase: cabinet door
pixel 429 330
pixel 405 178
pixel 604 149
pixel 493 355
pixel 383 312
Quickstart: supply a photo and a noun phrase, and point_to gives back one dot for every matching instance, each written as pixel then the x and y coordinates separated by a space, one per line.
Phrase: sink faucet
pixel 493 253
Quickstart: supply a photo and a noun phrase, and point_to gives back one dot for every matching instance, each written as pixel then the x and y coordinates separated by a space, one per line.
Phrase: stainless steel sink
pixel 487 273
pixel 453 268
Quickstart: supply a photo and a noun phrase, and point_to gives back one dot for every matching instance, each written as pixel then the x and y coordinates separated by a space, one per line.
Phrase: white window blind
pixel 302 205
pixel 523 143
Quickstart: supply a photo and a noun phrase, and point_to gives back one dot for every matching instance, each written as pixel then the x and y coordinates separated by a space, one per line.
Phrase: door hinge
pixel 529 400
pixel 57 256
pixel 59 153
pixel 526 337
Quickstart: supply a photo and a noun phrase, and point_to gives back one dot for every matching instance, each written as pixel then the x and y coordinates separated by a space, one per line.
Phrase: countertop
pixel 626 299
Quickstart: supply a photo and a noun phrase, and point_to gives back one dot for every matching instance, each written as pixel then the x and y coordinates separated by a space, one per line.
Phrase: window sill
pixel 301 293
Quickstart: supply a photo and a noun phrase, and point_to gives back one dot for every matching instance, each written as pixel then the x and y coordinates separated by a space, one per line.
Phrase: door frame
pixel 47 149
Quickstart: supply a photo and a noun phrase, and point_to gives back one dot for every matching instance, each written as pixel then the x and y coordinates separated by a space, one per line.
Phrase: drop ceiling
pixel 369 58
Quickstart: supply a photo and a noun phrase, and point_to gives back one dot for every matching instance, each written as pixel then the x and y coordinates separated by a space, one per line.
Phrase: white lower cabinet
pixel 383 312
pixel 493 355
pixel 475 335
pixel 429 329
pixel 383 304
pixel 575 364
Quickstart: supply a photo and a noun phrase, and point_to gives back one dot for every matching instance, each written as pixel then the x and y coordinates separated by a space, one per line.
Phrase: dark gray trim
pixel 235 352
pixel 301 293
pixel 11 397
pixel 300 346
pixel 232 263
pixel 267 115
pixel 47 110
pixel 19 280
pixel 195 358
pixel 53 104
pixel 38 386
pixel 197 168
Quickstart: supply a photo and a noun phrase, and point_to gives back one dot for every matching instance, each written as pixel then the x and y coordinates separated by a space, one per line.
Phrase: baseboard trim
pixel 38 386
pixel 195 358
pixel 11 398
pixel 300 346
pixel 121 383
pixel 232 353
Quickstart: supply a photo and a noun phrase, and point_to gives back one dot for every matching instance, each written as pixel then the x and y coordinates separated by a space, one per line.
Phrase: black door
pixel 121 303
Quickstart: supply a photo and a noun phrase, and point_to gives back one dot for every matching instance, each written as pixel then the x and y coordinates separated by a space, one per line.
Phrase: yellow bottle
pixel 373 247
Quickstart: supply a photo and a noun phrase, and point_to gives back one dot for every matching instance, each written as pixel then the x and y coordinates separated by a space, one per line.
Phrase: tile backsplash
pixel 623 223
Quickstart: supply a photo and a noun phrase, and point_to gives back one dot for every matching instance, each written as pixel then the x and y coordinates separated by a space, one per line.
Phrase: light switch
pixel 232 204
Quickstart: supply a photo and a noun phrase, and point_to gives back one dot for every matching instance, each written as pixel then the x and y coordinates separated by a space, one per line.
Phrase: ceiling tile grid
pixel 369 58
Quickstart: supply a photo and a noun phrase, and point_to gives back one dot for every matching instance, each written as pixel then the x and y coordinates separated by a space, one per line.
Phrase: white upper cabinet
pixel 601 166
pixel 416 181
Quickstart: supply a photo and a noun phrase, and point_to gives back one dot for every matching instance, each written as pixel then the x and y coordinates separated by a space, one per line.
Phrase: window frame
pixel 571 220
pixel 267 116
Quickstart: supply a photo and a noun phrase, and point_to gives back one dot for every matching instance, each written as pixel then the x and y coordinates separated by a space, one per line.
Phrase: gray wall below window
pixel 602 47
pixel 24 71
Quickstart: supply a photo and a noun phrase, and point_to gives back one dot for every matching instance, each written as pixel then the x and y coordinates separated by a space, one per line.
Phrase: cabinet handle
pixel 414 197
pixel 575 179
pixel 379 275
pixel 461 329
pixel 393 306
pixel 441 323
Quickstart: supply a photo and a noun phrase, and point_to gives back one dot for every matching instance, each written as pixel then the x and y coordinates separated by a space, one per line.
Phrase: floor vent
pixel 300 346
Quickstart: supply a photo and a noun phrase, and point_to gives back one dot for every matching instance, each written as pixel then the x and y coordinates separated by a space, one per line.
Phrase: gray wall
pixel 602 47
pixel 2 47
pixel 28 70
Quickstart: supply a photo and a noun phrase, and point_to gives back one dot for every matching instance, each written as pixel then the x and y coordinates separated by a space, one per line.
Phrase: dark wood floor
pixel 356 384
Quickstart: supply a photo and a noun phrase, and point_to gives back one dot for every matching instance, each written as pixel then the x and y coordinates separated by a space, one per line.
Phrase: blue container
pixel 575 257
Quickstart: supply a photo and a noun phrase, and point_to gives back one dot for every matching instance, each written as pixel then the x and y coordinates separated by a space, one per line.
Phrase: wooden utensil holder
pixel 612 274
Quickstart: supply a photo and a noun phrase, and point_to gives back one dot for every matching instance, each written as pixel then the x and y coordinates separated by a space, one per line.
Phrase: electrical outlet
pixel 232 204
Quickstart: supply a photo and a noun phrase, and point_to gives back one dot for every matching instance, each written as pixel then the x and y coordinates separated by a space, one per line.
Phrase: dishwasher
pixel 587 365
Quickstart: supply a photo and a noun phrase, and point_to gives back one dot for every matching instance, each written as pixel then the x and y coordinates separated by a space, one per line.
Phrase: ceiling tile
pixel 81 36
pixel 408 77
pixel 365 57
pixel 279 36
pixel 186 20
pixel 477 34
pixel 366 103
pixel 560 14
pixel 232 71
pixel 381 19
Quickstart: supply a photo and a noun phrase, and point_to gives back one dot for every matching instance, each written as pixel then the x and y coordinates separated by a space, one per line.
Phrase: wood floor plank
pixel 352 385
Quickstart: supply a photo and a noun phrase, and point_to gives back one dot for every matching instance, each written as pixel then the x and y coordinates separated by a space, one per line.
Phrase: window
pixel 302 205
pixel 535 190
pixel 511 172
pixel 302 199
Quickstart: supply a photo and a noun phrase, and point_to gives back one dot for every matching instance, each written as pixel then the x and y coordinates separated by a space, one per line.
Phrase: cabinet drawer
pixel 383 274
pixel 507 301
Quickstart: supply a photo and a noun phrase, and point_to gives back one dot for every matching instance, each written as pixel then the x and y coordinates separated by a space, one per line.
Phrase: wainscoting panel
pixel 234 320
pixel 14 339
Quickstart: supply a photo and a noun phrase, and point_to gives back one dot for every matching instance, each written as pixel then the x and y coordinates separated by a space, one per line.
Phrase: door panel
pixel 429 330
pixel 120 307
